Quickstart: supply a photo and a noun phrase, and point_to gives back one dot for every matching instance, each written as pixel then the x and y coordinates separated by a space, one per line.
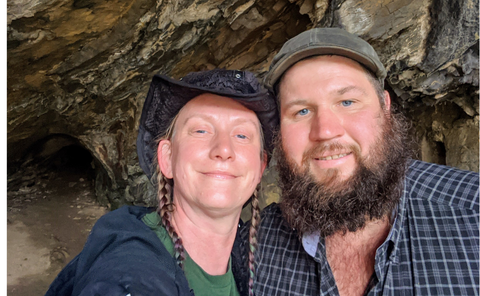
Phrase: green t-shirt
pixel 201 282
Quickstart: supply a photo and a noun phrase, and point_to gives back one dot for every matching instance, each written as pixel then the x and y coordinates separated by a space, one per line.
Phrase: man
pixel 357 215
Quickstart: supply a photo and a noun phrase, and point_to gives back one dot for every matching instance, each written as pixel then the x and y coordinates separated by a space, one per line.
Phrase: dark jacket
pixel 122 256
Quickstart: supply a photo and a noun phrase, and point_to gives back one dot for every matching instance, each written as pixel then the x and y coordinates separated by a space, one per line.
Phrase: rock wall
pixel 81 69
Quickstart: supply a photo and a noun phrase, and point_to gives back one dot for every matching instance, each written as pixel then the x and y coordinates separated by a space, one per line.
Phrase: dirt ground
pixel 48 222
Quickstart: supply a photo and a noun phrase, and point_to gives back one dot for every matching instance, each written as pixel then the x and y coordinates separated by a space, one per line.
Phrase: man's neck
pixel 351 256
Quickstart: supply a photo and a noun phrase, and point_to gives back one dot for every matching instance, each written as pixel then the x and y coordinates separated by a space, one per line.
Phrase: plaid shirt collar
pixel 314 244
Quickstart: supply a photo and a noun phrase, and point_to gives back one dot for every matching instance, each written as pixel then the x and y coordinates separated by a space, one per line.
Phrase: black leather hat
pixel 167 96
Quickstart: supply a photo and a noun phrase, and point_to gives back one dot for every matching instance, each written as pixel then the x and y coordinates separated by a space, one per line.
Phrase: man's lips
pixel 332 157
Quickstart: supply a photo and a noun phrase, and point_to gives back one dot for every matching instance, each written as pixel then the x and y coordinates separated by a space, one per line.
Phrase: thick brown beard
pixel 332 205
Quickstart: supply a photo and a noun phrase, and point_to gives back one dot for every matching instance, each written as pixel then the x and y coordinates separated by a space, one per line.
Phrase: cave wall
pixel 82 68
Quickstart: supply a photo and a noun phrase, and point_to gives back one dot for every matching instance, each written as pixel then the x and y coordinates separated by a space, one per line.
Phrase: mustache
pixel 333 146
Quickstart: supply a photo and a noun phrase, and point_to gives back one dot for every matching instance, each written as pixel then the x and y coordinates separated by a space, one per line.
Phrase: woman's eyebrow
pixel 238 120
pixel 241 120
pixel 202 116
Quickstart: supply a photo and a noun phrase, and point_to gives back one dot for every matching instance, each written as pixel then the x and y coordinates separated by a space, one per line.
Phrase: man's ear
pixel 386 102
pixel 264 164
pixel 164 155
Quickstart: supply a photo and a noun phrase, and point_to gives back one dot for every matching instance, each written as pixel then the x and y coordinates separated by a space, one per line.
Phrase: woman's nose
pixel 222 147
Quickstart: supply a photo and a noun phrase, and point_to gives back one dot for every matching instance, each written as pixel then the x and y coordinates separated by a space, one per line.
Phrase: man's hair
pixel 376 85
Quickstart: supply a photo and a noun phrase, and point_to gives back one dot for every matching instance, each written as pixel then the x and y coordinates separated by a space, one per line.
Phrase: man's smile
pixel 330 157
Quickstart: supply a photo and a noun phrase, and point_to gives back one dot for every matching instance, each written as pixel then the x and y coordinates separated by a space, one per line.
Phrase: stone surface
pixel 79 69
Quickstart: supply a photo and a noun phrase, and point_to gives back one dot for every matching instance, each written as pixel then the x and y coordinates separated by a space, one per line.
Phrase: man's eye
pixel 303 112
pixel 201 131
pixel 347 103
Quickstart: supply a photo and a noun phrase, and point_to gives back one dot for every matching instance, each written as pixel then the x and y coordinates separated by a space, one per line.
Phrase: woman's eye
pixel 240 136
pixel 303 112
pixel 347 103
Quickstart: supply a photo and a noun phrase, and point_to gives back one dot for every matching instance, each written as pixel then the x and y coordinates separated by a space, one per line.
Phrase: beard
pixel 332 205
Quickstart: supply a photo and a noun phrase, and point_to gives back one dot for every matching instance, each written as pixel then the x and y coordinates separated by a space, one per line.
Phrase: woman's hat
pixel 167 96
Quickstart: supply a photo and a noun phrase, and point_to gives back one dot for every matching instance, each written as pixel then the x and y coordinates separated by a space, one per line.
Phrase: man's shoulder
pixel 272 217
pixel 418 167
pixel 443 185
pixel 283 266
pixel 272 211
pixel 274 225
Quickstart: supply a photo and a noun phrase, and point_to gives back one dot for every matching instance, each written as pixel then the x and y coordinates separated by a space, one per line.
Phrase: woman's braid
pixel 252 238
pixel 165 209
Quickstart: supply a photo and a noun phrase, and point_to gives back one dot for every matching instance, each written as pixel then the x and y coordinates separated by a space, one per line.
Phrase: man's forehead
pixel 318 59
pixel 309 67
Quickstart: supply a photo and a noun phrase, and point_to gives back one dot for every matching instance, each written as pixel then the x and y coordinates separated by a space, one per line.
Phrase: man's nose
pixel 222 147
pixel 326 125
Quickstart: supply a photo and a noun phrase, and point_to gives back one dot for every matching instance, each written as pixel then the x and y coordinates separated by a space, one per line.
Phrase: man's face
pixel 331 117
pixel 341 158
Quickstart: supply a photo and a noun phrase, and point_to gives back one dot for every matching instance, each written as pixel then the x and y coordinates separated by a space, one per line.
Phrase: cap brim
pixel 283 65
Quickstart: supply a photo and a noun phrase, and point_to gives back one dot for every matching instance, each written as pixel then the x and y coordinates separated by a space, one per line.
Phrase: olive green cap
pixel 324 41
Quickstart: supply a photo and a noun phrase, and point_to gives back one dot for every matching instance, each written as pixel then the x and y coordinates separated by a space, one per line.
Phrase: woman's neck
pixel 208 239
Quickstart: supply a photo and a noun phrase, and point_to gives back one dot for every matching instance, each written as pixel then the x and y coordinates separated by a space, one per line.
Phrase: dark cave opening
pixel 72 158
pixel 53 157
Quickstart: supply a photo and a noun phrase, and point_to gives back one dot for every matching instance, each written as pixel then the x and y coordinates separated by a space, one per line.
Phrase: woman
pixel 204 142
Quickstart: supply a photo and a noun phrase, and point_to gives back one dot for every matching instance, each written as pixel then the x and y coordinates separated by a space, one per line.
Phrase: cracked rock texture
pixel 78 70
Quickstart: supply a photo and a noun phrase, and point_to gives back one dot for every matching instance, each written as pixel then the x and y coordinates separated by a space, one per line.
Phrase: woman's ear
pixel 164 156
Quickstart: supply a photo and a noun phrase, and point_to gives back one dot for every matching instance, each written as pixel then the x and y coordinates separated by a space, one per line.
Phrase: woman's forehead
pixel 209 107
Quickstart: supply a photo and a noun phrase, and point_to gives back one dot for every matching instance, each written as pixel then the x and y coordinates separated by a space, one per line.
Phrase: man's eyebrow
pixel 346 89
pixel 296 102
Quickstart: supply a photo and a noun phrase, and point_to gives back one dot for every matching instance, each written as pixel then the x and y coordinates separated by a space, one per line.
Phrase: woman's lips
pixel 220 175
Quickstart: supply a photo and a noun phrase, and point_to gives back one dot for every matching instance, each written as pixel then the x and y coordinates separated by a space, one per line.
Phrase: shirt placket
pixel 326 280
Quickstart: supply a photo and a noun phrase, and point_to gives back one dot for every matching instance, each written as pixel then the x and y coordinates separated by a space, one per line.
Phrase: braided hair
pixel 254 224
pixel 165 210
pixel 166 205
pixel 252 238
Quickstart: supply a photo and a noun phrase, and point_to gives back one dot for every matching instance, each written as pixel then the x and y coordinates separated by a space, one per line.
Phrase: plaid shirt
pixel 432 248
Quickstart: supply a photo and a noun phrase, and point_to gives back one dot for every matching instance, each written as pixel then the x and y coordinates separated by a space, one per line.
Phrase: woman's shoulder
pixel 122 255
pixel 123 216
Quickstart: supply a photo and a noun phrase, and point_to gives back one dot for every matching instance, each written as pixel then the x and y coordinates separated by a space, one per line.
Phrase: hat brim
pixel 165 99
pixel 288 61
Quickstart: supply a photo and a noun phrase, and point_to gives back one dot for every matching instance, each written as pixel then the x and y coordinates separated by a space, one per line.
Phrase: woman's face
pixel 214 156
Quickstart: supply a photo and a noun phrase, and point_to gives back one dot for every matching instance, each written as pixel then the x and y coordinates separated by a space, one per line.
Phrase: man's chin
pixel 332 178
